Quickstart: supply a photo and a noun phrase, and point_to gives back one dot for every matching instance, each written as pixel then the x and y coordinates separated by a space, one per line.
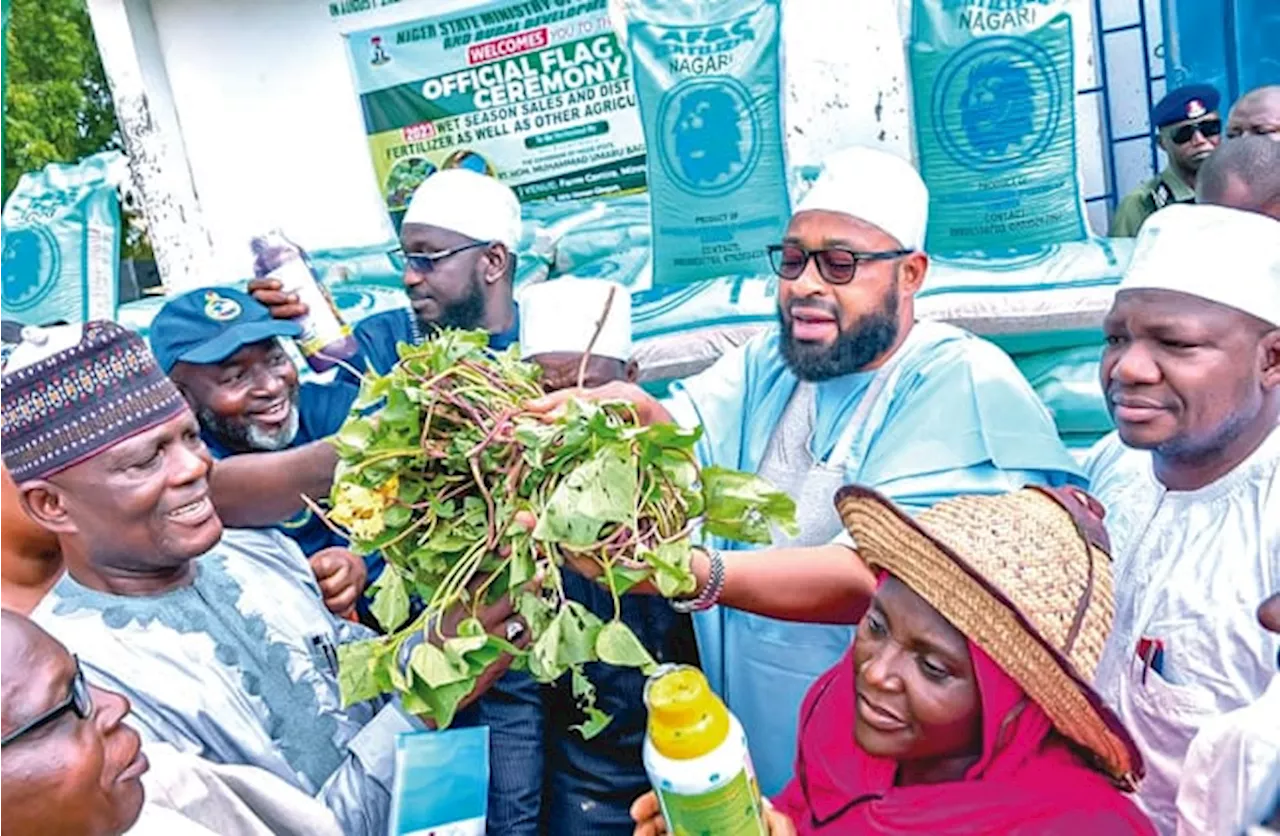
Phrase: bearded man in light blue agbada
pixel 851 389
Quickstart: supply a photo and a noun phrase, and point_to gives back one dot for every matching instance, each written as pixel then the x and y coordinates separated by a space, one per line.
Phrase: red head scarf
pixel 1027 780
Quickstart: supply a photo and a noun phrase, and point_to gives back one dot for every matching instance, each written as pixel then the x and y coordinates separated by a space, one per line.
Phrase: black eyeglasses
pixel 79 700
pixel 426 262
pixel 1208 129
pixel 836 265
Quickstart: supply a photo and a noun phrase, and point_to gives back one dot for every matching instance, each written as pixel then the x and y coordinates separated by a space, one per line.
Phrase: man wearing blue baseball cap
pixel 222 349
pixel 1189 128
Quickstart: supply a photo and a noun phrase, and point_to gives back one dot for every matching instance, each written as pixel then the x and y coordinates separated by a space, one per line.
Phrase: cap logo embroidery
pixel 1195 109
pixel 220 308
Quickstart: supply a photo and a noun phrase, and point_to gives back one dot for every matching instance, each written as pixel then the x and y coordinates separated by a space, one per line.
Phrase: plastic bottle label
pixel 733 809
pixel 322 325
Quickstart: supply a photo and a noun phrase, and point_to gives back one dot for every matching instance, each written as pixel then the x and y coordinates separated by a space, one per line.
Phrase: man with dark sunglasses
pixel 458 253
pixel 1189 128
pixel 849 389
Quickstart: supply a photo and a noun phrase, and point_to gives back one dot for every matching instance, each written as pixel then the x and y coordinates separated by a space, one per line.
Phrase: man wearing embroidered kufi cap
pixel 849 388
pixel 220 640
pixel 458 245
pixel 1191 479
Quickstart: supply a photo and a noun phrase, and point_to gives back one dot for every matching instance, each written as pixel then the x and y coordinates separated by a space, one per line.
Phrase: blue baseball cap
pixel 1190 101
pixel 207 326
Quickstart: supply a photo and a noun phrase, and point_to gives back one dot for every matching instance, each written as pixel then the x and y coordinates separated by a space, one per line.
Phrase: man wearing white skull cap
pixel 560 321
pixel 457 245
pixel 849 388
pixel 1191 480
pixel 545 778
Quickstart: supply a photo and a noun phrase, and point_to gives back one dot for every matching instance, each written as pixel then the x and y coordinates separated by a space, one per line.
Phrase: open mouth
pixel 879 718
pixel 275 414
pixel 813 325
pixel 192 513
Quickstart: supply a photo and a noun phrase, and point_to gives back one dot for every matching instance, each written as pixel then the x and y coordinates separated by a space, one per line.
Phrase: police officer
pixel 1189 128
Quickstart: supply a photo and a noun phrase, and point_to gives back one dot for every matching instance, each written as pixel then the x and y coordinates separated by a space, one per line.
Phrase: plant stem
pixel 604 316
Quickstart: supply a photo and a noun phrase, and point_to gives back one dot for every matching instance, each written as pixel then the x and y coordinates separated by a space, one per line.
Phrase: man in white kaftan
pixel 266 695
pixel 1191 481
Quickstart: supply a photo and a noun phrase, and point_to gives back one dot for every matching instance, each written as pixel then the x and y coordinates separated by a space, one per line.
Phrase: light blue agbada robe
pixel 240 667
pixel 949 415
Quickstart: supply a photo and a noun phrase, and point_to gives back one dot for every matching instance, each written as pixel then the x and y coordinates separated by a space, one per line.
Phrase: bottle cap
pixel 686 720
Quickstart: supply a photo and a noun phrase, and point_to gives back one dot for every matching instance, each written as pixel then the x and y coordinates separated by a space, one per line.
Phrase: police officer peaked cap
pixel 1189 102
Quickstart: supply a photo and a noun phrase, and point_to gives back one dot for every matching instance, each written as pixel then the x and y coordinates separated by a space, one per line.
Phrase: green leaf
pixel 624 578
pixel 617 645
pixel 354 435
pixel 399 412
pixel 417 705
pixel 744 507
pixel 582 687
pixel 373 388
pixel 544 654
pixel 601 490
pixel 357 671
pixel 391 602
pixel 435 668
pixel 578 630
pixel 481 658
pixel 536 612
pixel 442 703
pixel 523 565
pixel 673 568
pixel 596 722
pixel 397 516
pixel 458 647
pixel 411 489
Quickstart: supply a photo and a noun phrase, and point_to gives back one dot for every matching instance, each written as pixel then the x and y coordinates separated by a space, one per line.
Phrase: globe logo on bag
pixel 997 103
pixel 708 135
pixel 32 263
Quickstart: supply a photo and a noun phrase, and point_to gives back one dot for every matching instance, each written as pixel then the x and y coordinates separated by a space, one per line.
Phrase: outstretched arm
pixel 819 584
pixel 256 490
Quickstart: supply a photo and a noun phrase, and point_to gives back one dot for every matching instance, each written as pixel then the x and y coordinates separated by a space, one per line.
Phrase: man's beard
pixel 466 314
pixel 1191 451
pixel 873 335
pixel 246 437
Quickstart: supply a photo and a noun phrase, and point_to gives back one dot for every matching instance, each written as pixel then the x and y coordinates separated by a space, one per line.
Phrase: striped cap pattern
pixel 62 409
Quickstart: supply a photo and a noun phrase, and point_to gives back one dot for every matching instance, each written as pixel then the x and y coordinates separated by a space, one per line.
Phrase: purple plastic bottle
pixel 325 339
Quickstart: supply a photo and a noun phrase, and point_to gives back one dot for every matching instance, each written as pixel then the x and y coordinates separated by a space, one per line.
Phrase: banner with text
pixel 537 93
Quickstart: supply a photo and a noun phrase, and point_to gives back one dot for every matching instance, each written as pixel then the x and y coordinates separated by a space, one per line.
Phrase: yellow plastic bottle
pixel 696 755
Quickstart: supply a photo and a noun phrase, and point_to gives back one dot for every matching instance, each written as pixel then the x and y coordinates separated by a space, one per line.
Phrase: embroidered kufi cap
pixel 73 391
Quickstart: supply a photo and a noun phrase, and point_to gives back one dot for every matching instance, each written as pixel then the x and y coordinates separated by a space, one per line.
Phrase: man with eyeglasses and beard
pixel 1189 129
pixel 849 389
pixel 458 243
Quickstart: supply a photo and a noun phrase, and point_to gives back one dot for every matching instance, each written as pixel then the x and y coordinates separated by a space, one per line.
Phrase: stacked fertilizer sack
pixel 1045 308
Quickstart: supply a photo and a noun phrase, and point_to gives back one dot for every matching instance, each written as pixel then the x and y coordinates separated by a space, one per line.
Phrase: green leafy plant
pixel 434 478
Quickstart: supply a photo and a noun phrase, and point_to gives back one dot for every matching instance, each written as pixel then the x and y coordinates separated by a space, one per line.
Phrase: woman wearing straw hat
pixel 964 704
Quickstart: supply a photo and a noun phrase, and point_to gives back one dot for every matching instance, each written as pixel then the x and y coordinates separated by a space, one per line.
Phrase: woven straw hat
pixel 1026 577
